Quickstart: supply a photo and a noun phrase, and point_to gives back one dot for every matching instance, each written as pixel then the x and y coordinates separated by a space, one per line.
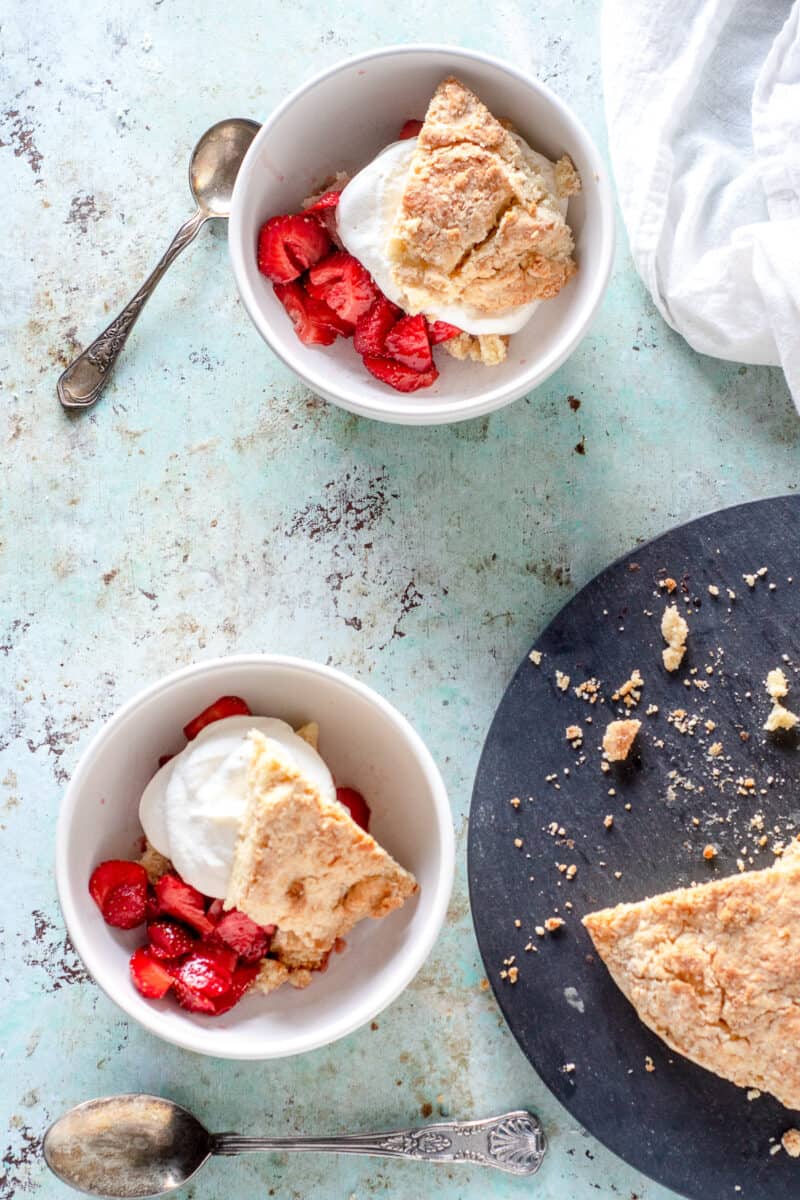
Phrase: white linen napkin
pixel 703 109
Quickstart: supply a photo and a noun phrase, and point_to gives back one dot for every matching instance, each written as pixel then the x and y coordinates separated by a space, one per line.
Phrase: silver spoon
pixel 213 169
pixel 135 1145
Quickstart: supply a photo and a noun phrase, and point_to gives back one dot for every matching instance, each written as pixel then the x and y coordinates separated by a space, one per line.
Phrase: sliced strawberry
pixel 326 200
pixel 125 906
pixel 216 911
pixel 373 326
pixel 165 758
pixel 222 954
pixel 441 331
pixel 152 908
pixel 408 342
pixel 203 973
pixel 356 804
pixel 110 874
pixel 250 941
pixel 241 980
pixel 179 899
pixel 192 1000
pixel 168 939
pixel 289 245
pixel 226 706
pixel 399 376
pixel 343 284
pixel 314 322
pixel 410 129
pixel 150 977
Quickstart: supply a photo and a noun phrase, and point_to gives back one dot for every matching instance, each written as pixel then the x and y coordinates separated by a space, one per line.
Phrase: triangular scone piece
pixel 481 219
pixel 715 971
pixel 303 864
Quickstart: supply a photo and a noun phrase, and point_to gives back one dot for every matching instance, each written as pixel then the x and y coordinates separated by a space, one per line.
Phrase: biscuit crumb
pixel 562 680
pixel 674 631
pixel 753 1094
pixel 780 718
pixel 715 749
pixel 552 924
pixel 608 821
pixel 513 974
pixel 515 802
pixel 777 684
pixel 791 1142
pixel 709 852
pixel 536 657
pixel 630 691
pixel 649 1065
pixel 668 583
pixel 618 739
pixel 713 590
pixel 518 842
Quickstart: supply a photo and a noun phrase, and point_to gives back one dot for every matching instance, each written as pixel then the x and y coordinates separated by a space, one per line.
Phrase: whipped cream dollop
pixel 365 215
pixel 192 808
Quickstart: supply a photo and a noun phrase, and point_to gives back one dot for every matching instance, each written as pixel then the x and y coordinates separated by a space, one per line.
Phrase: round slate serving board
pixel 678 1123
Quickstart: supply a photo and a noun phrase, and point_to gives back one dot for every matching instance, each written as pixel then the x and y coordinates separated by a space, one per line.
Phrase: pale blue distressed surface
pixel 211 505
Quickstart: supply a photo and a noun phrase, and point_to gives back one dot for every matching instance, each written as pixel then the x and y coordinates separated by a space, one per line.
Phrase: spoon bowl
pixel 126 1146
pixel 215 163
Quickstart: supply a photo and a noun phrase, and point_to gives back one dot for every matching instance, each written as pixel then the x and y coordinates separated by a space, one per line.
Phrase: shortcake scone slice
pixel 715 971
pixel 303 864
pixel 480 220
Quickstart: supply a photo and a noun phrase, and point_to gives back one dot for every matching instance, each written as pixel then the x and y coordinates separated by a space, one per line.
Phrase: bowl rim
pixel 194 1038
pixel 391 409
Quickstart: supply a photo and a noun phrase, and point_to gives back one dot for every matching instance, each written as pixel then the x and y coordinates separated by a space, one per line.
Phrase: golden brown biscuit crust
pixel 714 970
pixel 479 221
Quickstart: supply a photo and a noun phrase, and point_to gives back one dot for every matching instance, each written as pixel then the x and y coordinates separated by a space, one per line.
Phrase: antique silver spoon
pixel 213 169
pixel 124 1146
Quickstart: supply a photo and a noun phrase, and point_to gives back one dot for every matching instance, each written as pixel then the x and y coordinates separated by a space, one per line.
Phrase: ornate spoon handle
pixel 84 379
pixel 514 1142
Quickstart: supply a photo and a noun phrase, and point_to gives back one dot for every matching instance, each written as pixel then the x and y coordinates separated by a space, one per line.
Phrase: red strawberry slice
pixel 408 343
pixel 192 1000
pixel 152 908
pixel 410 129
pixel 289 245
pixel 168 939
pixel 356 804
pixel 326 200
pixel 164 759
pixel 250 941
pixel 226 706
pixel 202 973
pixel 343 284
pixel 441 331
pixel 112 873
pixel 399 376
pixel 242 978
pixel 216 911
pixel 314 322
pixel 125 906
pixel 373 326
pixel 149 976
pixel 179 899
pixel 119 889
pixel 222 954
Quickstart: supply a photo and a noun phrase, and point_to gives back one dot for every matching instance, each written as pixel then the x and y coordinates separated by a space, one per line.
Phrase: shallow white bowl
pixel 338 121
pixel 367 744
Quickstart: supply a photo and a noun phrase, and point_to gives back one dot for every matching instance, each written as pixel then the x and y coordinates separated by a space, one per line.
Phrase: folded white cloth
pixel 703 108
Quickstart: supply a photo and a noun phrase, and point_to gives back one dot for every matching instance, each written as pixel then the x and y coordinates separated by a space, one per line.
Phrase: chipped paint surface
pixel 210 504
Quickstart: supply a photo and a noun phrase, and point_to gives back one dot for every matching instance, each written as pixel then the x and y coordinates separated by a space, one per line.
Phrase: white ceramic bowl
pixel 367 744
pixel 339 121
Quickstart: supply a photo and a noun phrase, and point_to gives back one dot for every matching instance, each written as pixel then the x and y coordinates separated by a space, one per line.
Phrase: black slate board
pixel 681 1125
